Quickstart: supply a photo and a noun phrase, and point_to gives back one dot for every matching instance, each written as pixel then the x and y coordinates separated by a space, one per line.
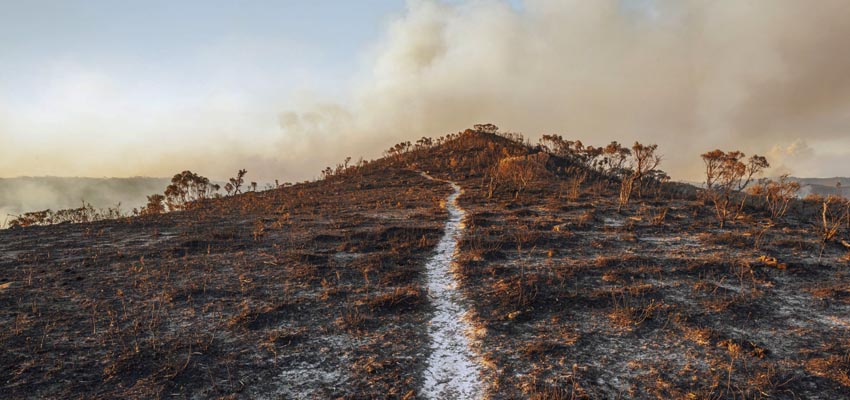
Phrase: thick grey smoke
pixel 762 76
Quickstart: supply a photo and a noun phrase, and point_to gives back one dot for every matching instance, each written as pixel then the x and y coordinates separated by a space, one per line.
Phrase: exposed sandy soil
pixel 453 370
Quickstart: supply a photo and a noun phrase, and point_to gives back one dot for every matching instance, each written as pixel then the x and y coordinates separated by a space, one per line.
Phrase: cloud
pixel 785 159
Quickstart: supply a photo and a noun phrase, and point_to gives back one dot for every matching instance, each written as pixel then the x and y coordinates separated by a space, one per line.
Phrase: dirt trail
pixel 452 371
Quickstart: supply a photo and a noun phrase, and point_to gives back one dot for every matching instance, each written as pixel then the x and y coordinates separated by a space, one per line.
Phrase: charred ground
pixel 312 290
pixel 316 290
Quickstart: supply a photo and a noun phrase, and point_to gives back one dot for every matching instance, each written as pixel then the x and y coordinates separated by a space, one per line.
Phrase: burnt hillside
pixel 317 290
pixel 575 296
pixel 309 290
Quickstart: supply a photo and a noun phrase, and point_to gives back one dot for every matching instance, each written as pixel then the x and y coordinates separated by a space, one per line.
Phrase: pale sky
pixel 283 88
pixel 123 76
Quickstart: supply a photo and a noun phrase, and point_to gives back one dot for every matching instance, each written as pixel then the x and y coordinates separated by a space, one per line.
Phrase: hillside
pixel 321 290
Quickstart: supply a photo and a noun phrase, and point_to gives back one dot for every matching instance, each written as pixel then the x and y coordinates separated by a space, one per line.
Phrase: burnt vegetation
pixel 589 275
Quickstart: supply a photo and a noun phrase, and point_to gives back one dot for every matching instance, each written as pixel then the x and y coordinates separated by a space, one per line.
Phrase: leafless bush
pixel 642 168
pixel 156 205
pixel 610 160
pixel 628 310
pixel 626 187
pixel 398 150
pixel 657 216
pixel 574 186
pixel 573 150
pixel 84 213
pixel 234 185
pixel 519 171
pixel 486 128
pixel 835 212
pixel 31 218
pixel 777 195
pixel 644 162
pixel 517 292
pixel 186 188
pixel 727 175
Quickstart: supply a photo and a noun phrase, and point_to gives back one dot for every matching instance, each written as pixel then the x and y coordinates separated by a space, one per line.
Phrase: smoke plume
pixel 689 75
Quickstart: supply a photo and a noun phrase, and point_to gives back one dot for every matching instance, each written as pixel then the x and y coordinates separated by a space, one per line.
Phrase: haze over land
pixel 284 91
pixel 18 195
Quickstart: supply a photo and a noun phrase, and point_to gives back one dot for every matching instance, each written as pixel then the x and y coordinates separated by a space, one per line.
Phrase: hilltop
pixel 582 278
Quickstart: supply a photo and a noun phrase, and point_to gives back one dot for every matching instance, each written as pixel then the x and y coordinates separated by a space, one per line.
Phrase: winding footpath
pixel 453 371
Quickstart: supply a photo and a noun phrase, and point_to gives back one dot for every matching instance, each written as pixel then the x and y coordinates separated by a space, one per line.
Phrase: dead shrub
pixel 353 320
pixel 401 298
pixel 519 172
pixel 574 186
pixel 726 175
pixel 516 292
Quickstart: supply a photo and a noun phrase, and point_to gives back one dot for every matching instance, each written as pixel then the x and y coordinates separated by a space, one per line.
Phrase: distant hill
pixel 821 186
pixel 24 194
pixel 824 186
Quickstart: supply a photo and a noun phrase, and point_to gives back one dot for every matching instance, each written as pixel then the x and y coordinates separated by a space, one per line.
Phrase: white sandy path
pixel 453 371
